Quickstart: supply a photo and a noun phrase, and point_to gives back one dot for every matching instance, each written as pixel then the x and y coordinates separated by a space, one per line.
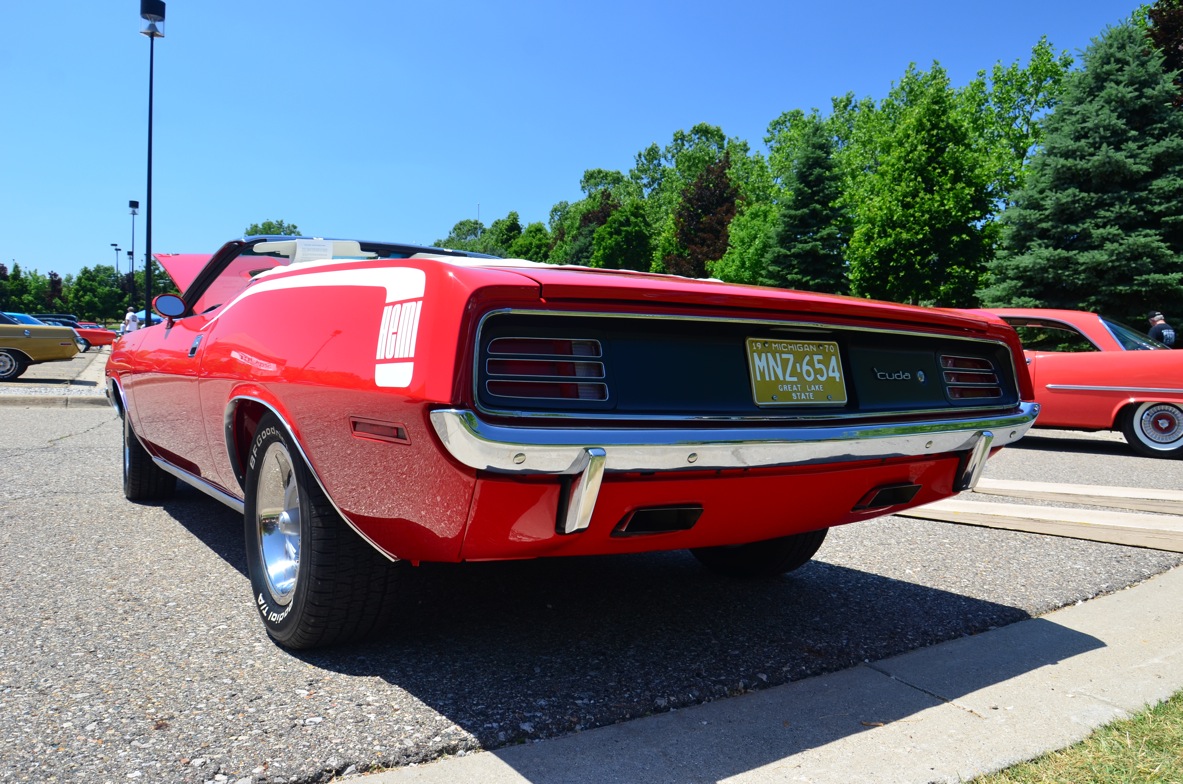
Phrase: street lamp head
pixel 152 12
pixel 135 207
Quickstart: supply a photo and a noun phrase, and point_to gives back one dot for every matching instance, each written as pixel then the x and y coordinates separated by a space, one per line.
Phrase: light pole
pixel 152 12
pixel 131 278
pixel 116 247
pixel 134 206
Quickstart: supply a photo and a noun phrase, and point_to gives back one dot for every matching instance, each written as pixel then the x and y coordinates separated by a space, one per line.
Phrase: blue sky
pixel 392 121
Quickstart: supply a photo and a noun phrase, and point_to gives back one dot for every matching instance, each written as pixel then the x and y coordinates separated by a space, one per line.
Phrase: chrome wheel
pixel 1155 430
pixel 10 366
pixel 277 521
pixel 1159 425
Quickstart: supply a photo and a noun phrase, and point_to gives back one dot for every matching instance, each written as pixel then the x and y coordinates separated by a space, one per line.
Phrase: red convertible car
pixel 1091 373
pixel 363 403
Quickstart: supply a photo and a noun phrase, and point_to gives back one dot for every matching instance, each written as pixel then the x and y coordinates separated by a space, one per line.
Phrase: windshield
pixel 1129 338
pixel 234 266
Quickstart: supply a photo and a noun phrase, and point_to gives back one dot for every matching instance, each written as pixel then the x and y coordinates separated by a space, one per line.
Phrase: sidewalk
pixel 77 382
pixel 947 713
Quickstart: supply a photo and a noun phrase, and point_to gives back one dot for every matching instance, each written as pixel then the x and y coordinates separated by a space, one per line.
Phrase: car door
pixel 163 392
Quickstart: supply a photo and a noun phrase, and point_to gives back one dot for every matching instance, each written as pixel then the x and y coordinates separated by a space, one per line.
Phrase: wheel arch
pixel 244 411
pixel 20 355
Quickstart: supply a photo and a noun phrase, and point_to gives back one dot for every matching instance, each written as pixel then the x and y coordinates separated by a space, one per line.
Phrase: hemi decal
pixel 396 341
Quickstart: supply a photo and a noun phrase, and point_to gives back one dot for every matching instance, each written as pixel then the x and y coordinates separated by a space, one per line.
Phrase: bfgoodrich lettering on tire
pixel 314 581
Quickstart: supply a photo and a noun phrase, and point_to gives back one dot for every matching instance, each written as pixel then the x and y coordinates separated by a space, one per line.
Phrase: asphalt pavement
pixel 946 712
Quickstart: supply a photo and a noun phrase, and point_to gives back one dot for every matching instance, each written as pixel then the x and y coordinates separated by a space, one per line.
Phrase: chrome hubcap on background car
pixel 7 364
pixel 277 516
pixel 1159 424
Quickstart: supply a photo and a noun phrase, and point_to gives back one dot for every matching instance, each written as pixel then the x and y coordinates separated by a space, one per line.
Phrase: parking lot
pixel 129 648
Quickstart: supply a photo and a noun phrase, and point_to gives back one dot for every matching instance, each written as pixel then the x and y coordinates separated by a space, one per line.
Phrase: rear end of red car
pixel 622 413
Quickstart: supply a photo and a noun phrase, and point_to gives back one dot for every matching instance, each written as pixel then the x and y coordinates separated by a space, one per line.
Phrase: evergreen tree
pixel 1098 224
pixel 810 239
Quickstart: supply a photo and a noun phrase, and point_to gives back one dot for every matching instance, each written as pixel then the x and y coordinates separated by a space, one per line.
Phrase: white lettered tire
pixel 314 581
pixel 1155 429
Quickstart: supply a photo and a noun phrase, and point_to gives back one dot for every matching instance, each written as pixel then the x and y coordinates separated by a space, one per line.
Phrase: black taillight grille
pixel 970 378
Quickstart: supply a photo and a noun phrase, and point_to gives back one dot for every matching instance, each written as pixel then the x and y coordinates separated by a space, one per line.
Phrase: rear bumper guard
pixel 586 454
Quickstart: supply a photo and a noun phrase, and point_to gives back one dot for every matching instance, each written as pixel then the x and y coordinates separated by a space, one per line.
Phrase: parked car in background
pixel 25 318
pixel 22 345
pixel 57 317
pixel 1093 373
pixel 430 405
pixel 94 335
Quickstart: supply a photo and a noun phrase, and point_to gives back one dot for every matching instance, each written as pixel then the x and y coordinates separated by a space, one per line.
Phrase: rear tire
pixel 1155 430
pixel 12 365
pixel 143 480
pixel 314 580
pixel 769 558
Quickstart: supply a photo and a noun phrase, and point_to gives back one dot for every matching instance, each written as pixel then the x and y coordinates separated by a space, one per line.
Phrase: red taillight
pixel 970 378
pixel 545 369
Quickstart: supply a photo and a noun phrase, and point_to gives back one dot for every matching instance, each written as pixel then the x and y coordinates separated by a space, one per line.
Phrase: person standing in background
pixel 1160 330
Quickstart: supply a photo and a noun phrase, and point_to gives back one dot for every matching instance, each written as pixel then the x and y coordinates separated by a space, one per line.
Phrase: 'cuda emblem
pixel 892 375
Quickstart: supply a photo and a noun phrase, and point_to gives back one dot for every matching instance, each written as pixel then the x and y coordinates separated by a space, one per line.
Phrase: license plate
pixel 796 372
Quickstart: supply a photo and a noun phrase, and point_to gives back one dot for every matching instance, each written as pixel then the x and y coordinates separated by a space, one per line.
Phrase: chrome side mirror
pixel 170 306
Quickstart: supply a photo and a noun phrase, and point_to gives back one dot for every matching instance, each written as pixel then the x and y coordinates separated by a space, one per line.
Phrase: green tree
pixel 96 293
pixel 270 228
pixel 533 244
pixel 622 242
pixel 575 228
pixel 807 250
pixel 501 235
pixel 917 188
pixel 1098 225
pixel 465 235
pixel 1008 108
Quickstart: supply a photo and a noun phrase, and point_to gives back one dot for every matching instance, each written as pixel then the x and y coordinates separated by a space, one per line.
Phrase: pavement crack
pixel 922 690
pixel 91 429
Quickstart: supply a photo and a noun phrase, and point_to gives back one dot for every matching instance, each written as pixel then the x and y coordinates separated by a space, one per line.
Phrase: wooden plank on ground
pixel 1158 532
pixel 1158 501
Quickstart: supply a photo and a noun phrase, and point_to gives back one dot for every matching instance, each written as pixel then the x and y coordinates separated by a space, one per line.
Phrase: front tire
pixel 1155 430
pixel 12 365
pixel 143 480
pixel 769 558
pixel 314 580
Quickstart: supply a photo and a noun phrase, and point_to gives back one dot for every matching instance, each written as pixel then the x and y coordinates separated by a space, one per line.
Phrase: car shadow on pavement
pixel 514 652
pixel 1083 446
pixel 519 651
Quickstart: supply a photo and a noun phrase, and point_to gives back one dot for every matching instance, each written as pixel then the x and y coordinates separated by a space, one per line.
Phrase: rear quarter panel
pixel 330 347
pixel 41 344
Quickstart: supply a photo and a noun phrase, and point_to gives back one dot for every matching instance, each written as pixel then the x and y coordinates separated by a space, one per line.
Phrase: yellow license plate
pixel 796 372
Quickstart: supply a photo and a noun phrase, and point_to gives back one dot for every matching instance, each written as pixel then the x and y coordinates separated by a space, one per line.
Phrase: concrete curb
pixel 80 382
pixel 947 713
pixel 53 401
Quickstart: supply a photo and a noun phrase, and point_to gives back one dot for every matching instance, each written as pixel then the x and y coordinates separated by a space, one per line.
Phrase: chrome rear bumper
pixel 536 450
pixel 586 454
